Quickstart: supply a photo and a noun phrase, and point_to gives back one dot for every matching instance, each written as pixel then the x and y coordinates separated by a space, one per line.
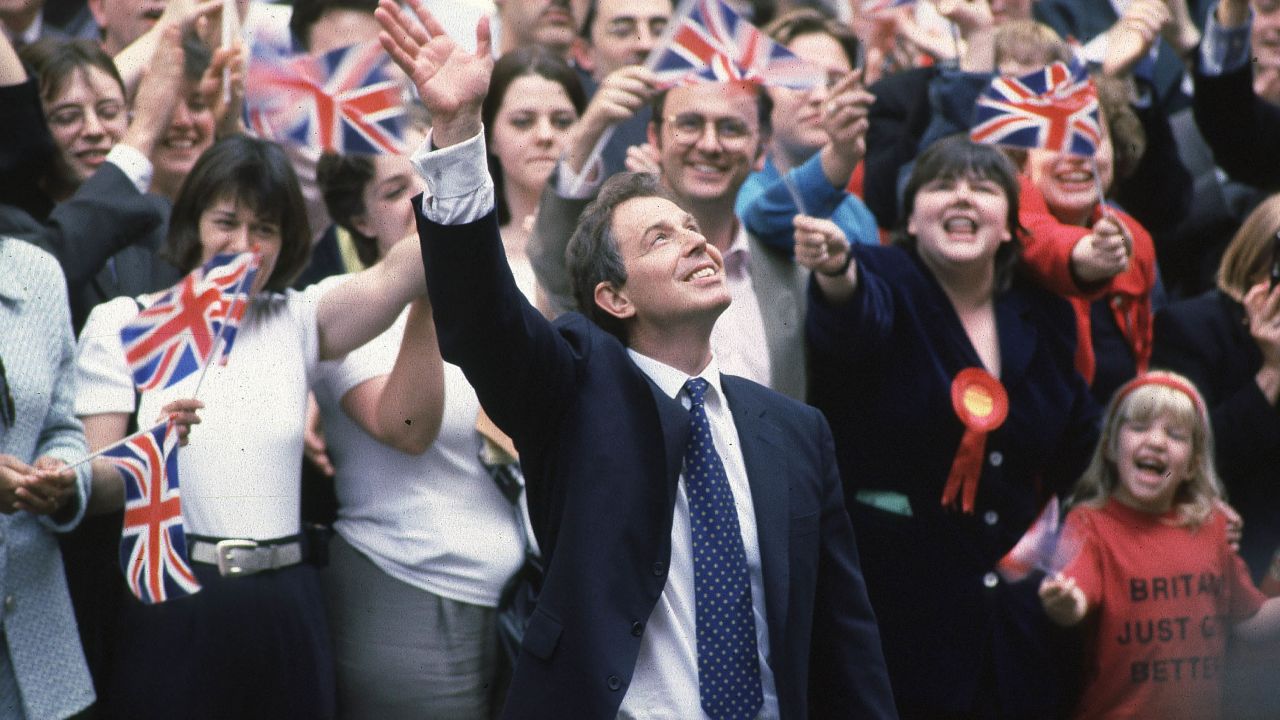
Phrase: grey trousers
pixel 402 652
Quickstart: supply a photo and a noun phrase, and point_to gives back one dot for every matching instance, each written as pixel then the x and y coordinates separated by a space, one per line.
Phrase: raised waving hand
pixel 451 81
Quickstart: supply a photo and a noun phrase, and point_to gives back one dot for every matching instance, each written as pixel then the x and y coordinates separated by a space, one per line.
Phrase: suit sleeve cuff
pixel 133 164
pixel 459 189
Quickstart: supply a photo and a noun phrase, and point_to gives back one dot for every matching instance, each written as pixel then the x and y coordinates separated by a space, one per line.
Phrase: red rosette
pixel 981 404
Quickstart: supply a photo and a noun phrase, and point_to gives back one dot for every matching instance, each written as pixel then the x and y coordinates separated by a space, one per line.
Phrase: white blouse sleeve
pixel 103 381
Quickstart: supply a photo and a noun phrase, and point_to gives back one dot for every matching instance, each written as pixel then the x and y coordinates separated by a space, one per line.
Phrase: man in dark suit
pixel 699 559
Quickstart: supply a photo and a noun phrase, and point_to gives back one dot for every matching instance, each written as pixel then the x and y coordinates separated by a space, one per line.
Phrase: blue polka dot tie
pixel 728 662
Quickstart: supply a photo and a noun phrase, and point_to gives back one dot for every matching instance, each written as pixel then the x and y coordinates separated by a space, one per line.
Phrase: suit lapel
pixel 768 478
pixel 674 421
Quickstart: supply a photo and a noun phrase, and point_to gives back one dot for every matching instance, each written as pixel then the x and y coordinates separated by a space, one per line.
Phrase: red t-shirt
pixel 1162 600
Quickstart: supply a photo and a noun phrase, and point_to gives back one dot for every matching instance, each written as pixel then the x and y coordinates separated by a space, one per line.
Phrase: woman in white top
pixel 425 539
pixel 253 642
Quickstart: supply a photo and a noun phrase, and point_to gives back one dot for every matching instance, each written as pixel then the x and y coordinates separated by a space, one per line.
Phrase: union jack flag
pixel 176 336
pixel 153 547
pixel 712 43
pixel 235 273
pixel 1055 108
pixel 1046 546
pixel 345 100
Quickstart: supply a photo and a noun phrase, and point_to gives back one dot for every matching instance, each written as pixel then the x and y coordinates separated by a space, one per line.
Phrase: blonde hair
pixel 1030 43
pixel 1248 256
pixel 1142 399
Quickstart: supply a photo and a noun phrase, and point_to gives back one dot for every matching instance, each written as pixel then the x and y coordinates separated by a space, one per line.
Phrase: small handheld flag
pixel 712 43
pixel 1046 546
pixel 153 547
pixel 176 336
pixel 1055 108
pixel 343 101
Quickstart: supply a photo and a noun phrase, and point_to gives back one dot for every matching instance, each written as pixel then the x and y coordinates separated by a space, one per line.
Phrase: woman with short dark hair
pixel 957 413
pixel 254 641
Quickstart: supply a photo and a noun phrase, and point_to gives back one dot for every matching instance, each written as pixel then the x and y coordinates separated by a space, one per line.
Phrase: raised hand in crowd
pixel 644 158
pixel 227 116
pixel 822 247
pixel 1064 602
pixel 844 117
pixel 1232 13
pixel 1181 32
pixel 1102 254
pixel 1133 35
pixel 134 61
pixel 451 81
pixel 976 23
pixel 1262 310
pixel 157 92
pixel 622 93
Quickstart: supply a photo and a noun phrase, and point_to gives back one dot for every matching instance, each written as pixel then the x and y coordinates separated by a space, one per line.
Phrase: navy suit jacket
pixel 601 447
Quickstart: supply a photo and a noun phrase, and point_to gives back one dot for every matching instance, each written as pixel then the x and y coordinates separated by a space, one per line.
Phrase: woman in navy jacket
pixel 905 340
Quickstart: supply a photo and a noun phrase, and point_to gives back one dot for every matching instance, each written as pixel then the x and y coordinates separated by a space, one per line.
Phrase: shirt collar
pixel 737 259
pixel 670 380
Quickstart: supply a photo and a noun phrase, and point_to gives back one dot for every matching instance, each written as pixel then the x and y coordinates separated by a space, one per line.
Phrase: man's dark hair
pixel 594 256
pixel 306 13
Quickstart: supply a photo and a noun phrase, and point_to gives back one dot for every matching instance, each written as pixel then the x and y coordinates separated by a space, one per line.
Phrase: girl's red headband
pixel 1166 381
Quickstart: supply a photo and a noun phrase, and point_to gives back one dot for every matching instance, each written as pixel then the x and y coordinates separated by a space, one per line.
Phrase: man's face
pixel 674 276
pixel 123 21
pixel 537 22
pixel 625 31
pixel 709 140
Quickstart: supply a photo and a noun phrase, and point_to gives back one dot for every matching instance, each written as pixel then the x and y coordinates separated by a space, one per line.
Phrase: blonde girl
pixel 1155 585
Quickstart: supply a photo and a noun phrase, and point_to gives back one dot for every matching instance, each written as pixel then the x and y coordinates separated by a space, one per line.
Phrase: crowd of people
pixel 755 387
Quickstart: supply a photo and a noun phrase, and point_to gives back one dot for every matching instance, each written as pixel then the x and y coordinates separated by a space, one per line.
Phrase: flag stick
pixel 795 192
pixel 214 357
pixel 682 11
pixel 230 32
pixel 103 451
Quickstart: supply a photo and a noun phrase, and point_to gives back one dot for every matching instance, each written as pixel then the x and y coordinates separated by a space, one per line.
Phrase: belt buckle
pixel 226 566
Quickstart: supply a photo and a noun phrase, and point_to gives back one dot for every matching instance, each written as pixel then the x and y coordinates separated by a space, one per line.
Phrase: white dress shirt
pixel 738 338
pixel 665 681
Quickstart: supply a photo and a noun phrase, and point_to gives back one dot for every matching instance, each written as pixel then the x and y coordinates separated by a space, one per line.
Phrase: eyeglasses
pixel 733 133
pixel 7 412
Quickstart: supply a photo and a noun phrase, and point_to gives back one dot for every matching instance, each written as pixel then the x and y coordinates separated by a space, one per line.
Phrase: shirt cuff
pixel 459 189
pixel 1224 50
pixel 579 186
pixel 133 163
